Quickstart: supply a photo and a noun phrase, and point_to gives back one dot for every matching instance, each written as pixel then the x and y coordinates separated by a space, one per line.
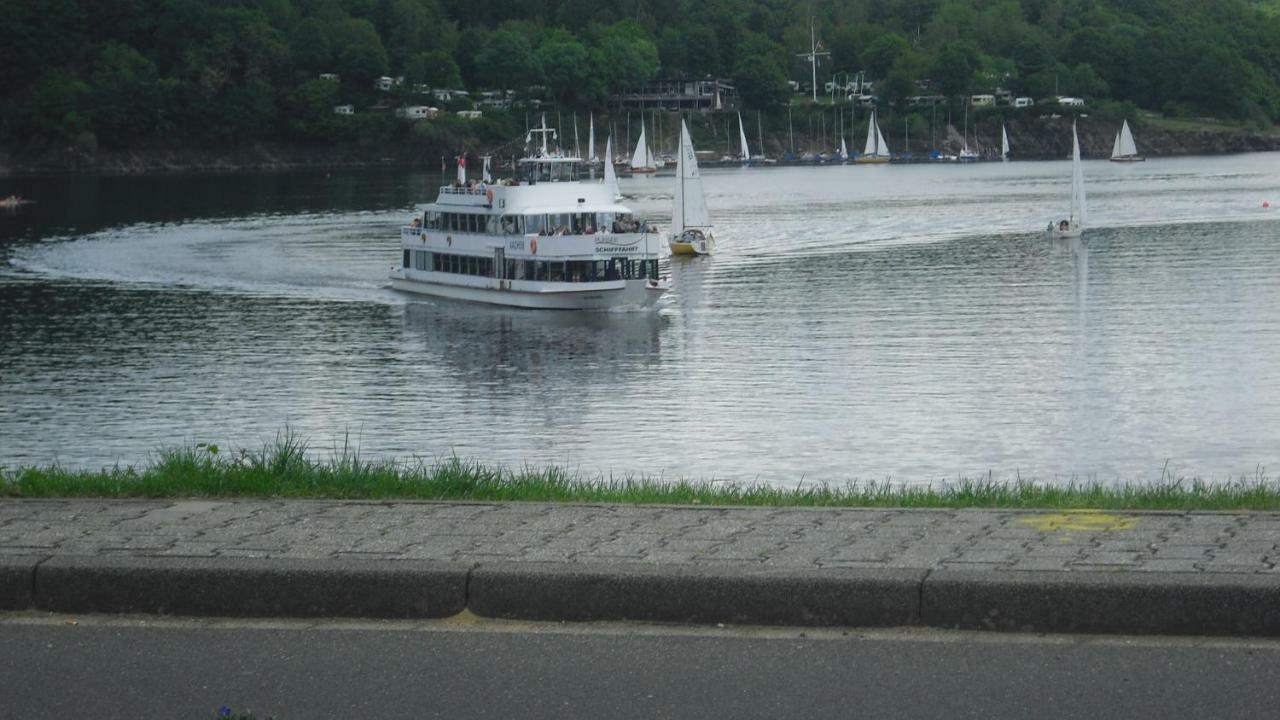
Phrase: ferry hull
pixel 619 295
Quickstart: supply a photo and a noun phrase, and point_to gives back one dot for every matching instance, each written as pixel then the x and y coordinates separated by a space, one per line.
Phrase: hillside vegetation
pixel 215 74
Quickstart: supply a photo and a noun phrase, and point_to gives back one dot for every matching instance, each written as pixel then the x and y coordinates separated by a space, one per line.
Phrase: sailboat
pixel 591 142
pixel 877 150
pixel 967 155
pixel 1125 150
pixel 610 175
pixel 1004 143
pixel 844 150
pixel 690 220
pixel 642 160
pixel 744 151
pixel 1073 226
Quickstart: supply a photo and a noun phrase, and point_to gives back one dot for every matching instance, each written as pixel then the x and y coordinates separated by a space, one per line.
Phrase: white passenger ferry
pixel 549 238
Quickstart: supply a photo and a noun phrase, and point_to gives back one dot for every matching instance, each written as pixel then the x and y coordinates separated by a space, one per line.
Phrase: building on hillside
pixel 385 83
pixel 982 100
pixel 344 109
pixel 1023 102
pixel 470 114
pixel 1070 101
pixel 331 77
pixel 708 94
pixel 418 112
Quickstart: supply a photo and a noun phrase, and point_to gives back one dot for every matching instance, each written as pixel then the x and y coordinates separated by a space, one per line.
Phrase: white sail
pixel 876 146
pixel 591 140
pixel 1124 145
pixel 486 174
pixel 689 206
pixel 745 151
pixel 610 175
pixel 1079 203
pixel 844 149
pixel 642 158
pixel 1004 143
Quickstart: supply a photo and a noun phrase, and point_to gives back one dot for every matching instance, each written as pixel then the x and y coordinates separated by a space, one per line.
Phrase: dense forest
pixel 124 74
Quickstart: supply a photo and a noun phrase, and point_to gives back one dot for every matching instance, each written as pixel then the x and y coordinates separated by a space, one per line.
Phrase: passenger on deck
pixel 1064 226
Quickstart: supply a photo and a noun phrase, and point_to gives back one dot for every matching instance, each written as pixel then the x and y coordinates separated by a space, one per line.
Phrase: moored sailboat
pixel 690 220
pixel 876 150
pixel 744 151
pixel 642 159
pixel 1004 143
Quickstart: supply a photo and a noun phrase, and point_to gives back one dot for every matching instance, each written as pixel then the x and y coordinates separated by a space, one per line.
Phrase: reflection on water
pixel 903 322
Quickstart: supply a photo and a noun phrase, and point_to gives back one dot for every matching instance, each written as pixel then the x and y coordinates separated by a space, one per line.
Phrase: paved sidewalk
pixel 1202 573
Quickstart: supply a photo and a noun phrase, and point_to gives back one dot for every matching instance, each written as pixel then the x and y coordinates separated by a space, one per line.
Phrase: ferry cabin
pixel 545 241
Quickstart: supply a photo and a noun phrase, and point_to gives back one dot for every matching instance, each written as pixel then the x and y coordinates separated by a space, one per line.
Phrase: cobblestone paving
pixel 535 532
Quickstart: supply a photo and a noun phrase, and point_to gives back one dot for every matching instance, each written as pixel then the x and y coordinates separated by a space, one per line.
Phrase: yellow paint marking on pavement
pixel 1094 520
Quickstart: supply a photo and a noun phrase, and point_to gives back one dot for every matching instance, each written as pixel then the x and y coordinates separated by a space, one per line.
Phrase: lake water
pixel 903 322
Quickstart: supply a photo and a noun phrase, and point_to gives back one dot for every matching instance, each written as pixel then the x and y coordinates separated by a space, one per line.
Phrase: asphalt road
pixel 112 667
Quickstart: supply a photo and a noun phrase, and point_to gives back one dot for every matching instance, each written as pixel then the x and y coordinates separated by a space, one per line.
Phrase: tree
pixel 435 69
pixel 507 61
pixel 953 68
pixel 758 76
pixel 625 56
pixel 126 100
pixel 567 68
pixel 361 57
pixel 309 45
pixel 883 53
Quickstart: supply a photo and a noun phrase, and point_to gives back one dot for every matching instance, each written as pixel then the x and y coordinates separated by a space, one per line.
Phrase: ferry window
pixel 494 224
pixel 509 225
pixel 454 265
pixel 653 268
pixel 557 272
pixel 485 267
pixel 511 269
pixel 433 220
pixel 598 270
pixel 604 222
pixel 533 225
pixel 562 222
pixel 419 260
pixel 406 258
pixel 438 263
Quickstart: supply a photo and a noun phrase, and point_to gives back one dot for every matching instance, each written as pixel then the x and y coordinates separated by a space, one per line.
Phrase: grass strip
pixel 286 469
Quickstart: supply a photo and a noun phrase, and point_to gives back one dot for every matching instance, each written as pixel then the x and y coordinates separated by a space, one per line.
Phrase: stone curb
pixel 17 581
pixel 1084 602
pixel 1103 602
pixel 739 595
pixel 250 587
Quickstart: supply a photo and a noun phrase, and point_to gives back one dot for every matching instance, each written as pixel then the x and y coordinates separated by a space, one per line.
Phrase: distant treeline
pixel 123 74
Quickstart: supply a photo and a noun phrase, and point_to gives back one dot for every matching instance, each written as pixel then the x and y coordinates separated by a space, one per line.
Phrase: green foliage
pixel 290 467
pixel 130 73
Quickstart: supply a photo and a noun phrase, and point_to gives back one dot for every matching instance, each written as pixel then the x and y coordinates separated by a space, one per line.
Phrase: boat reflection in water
pixel 511 351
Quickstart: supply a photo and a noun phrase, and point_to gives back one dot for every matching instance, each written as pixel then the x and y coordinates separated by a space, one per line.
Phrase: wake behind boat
pixel 690 220
pixel 544 239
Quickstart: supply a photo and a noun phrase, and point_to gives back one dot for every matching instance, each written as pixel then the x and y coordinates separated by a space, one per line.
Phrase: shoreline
pixel 1032 139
